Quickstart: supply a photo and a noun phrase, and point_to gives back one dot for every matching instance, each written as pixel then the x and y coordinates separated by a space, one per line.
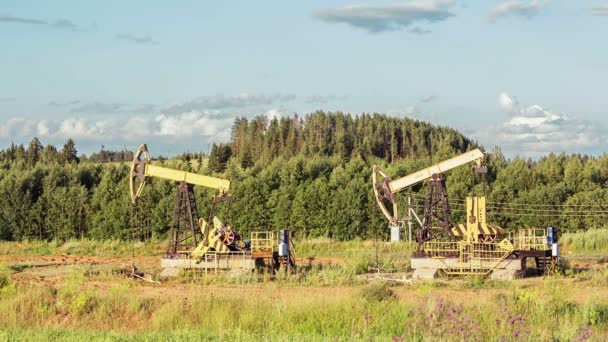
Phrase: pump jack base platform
pixel 512 267
pixel 233 261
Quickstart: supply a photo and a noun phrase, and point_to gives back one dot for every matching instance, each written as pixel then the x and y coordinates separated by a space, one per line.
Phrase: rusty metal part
pixel 229 237
pixel 184 234
pixel 437 219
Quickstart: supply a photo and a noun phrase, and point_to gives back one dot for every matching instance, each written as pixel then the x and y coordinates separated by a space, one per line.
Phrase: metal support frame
pixel 184 235
pixel 437 220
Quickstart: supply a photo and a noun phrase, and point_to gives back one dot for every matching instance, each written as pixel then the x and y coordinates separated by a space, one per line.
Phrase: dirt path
pixel 65 260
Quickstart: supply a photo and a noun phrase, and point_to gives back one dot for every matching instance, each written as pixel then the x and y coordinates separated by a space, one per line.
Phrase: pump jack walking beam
pixel 141 169
pixel 385 188
pixel 184 234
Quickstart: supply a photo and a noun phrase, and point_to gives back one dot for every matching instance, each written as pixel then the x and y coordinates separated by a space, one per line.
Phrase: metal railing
pixel 473 258
pixel 531 239
pixel 219 261
pixel 263 241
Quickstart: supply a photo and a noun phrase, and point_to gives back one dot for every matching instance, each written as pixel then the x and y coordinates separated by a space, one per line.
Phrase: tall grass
pixel 76 309
pixel 84 247
pixel 592 240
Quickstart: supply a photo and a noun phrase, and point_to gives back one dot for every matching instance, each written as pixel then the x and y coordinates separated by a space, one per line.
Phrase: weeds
pixel 377 293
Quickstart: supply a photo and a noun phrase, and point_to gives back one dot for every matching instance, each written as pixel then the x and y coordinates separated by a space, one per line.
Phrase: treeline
pixel 310 175
pixel 36 152
pixel 342 135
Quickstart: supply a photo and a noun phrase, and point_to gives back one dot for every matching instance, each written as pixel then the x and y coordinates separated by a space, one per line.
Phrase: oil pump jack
pixel 202 245
pixel 437 219
pixel 464 249
pixel 186 227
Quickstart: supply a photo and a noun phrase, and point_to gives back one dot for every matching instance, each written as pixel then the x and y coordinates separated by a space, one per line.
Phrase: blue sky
pixel 529 76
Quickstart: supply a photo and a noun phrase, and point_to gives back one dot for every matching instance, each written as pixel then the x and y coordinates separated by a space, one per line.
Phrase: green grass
pixel 326 300
pixel 84 247
pixel 590 241
pixel 75 310
pixel 359 255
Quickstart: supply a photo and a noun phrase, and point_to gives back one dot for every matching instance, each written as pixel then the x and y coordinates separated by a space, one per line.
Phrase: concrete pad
pixel 444 263
pixel 425 273
pixel 170 272
pixel 504 274
pixel 217 264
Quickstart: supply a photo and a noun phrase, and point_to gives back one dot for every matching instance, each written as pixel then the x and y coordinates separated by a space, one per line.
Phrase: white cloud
pixel 142 40
pixel 391 17
pixel 243 100
pixel 324 99
pixel 600 10
pixel 190 124
pixel 428 98
pixel 43 128
pixel 534 130
pixel 191 130
pixel 17 127
pixel 275 114
pixel 183 126
pixel 526 9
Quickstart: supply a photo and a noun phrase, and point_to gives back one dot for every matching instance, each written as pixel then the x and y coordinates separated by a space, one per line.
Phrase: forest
pixel 309 174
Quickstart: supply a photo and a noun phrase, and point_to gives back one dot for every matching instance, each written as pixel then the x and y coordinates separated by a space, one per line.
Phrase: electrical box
pixel 283 249
pixel 555 250
pixel 284 236
pixel 395 234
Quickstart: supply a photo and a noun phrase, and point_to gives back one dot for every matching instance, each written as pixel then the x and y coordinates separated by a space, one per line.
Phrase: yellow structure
pixel 476 228
pixel 213 239
pixel 386 188
pixel 142 169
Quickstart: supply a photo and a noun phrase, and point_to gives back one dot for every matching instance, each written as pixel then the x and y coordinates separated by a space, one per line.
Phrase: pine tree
pixel 69 153
pixel 33 151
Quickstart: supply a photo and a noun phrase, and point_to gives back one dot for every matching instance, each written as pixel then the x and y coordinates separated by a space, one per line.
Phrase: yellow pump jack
pixel 477 229
pixel 184 235
pixel 218 238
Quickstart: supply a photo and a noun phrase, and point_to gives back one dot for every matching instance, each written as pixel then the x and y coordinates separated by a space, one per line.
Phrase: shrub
pixel 377 293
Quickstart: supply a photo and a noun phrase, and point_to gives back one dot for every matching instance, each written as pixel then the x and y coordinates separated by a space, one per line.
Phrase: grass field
pixel 74 291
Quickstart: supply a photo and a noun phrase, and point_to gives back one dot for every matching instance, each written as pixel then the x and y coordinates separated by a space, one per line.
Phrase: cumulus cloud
pixel 406 112
pixel 390 17
pixel 323 99
pixel 520 8
pixel 143 40
pixel 131 125
pixel 535 130
pixel 600 10
pixel 228 102
pixel 18 127
pixel 63 24
pixel 275 114
pixel 98 108
pixel 63 104
pixel 428 98
pixel 181 126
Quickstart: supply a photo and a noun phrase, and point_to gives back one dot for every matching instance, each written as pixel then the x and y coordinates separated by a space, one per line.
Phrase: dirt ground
pixel 51 270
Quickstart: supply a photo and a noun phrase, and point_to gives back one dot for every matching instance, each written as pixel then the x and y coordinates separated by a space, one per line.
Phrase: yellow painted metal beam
pixel 424 174
pixel 190 178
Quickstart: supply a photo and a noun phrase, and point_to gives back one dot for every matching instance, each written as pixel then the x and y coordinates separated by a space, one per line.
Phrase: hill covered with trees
pixel 309 174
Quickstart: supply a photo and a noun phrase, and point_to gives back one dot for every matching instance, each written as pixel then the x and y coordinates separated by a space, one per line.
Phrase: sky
pixel 529 76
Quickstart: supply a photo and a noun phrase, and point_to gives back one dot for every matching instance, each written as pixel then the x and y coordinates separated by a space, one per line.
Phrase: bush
pixel 5 280
pixel 377 293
